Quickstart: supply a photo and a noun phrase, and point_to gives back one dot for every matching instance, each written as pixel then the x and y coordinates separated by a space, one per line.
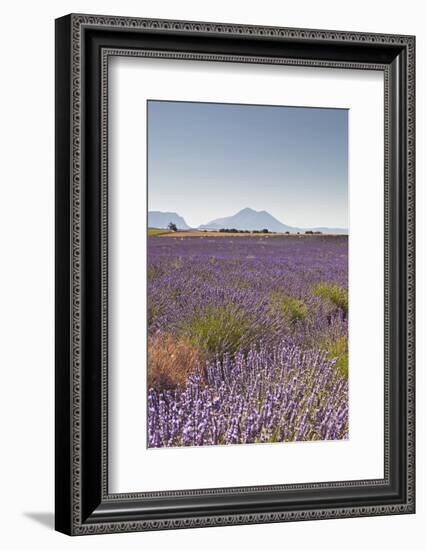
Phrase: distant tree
pixel 265 230
pixel 287 232
pixel 309 232
pixel 172 226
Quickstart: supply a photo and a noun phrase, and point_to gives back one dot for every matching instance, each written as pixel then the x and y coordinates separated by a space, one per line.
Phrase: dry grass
pixel 206 234
pixel 170 362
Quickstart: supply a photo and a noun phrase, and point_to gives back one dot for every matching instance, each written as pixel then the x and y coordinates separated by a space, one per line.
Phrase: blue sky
pixel 209 160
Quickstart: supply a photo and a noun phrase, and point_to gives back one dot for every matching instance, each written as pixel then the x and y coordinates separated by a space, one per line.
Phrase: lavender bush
pixel 266 317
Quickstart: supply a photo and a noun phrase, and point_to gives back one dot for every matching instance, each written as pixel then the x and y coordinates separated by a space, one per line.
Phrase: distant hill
pixel 244 220
pixel 248 219
pixel 253 220
pixel 161 220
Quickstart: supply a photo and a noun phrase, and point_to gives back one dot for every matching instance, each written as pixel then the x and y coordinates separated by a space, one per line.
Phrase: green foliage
pixel 219 329
pixel 172 226
pixel 292 308
pixel 333 294
pixel 156 232
pixel 338 350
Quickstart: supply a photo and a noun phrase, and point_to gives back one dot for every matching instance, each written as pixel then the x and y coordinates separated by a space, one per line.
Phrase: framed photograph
pixel 234 274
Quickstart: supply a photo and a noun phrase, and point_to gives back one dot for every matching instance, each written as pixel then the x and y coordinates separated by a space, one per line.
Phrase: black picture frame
pixel 83 44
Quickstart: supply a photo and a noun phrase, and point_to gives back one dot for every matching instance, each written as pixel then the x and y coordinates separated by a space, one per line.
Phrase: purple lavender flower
pixel 248 306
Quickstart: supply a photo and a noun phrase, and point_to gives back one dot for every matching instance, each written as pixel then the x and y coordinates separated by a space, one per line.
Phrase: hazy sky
pixel 208 160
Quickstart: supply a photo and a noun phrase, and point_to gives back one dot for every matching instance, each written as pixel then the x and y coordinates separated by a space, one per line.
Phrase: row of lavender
pixel 247 339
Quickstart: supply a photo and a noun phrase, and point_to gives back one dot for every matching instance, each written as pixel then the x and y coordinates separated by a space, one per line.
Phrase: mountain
pixel 253 220
pixel 248 219
pixel 161 220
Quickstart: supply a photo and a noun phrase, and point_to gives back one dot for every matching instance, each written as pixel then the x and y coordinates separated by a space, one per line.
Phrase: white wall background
pixel 27 262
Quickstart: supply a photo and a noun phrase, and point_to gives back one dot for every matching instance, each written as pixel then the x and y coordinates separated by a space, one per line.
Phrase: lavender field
pixel 247 339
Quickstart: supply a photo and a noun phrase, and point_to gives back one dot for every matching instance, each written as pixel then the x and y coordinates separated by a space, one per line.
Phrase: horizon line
pixel 332 226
